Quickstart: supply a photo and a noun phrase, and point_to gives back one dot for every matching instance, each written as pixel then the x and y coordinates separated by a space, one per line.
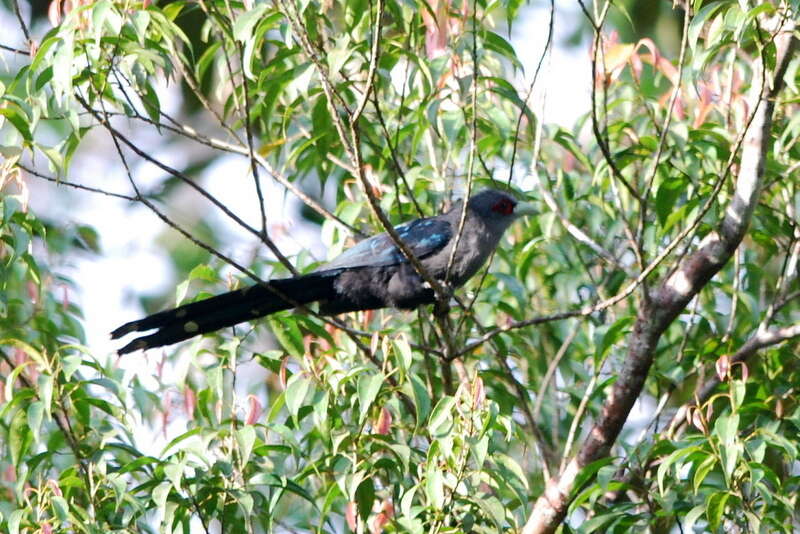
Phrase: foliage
pixel 398 421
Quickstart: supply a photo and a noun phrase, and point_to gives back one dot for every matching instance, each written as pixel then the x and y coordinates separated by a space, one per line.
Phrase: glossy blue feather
pixel 423 236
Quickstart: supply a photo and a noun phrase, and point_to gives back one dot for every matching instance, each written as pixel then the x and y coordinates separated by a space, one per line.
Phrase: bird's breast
pixel 473 250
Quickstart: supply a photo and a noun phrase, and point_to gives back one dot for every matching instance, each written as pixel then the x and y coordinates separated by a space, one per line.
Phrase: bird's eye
pixel 504 206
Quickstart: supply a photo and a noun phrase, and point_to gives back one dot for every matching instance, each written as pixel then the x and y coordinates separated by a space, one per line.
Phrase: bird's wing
pixel 423 236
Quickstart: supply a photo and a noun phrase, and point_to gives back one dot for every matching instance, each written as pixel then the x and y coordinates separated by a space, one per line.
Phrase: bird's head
pixel 498 209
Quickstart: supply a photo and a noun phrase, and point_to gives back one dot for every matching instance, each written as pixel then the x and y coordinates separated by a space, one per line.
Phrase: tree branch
pixel 14 50
pixel 75 185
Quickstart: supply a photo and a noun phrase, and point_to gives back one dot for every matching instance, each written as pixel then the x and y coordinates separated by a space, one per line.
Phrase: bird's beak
pixel 524 208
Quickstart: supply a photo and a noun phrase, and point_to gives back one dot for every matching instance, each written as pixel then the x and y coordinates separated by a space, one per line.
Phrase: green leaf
pixel 731 455
pixel 738 392
pixel 35 414
pixel 207 59
pixel 368 387
pixel 434 487
pixel 606 475
pixel 139 462
pixel 245 501
pixel 669 191
pixel 182 437
pixel 495 510
pixel 674 458
pixel 288 334
pixel 600 521
pixel 692 517
pixel 245 22
pixel 403 352
pixel 44 49
pixel 702 471
pixel 338 55
pixel 151 102
pixel 19 437
pixel 140 20
pixel 715 508
pixel 614 333
pixel 45 388
pixel 282 482
pixel 441 420
pixel 174 472
pixel 422 401
pixel 589 472
pixel 479 448
pixel 60 507
pixel 365 496
pixel 726 428
pixel 699 20
pixel 296 389
pixel 245 438
pixel 160 494
pixel 512 466
pixel 567 140
pixel 496 43
pixel 15 519
pixel 18 120
pixel 181 290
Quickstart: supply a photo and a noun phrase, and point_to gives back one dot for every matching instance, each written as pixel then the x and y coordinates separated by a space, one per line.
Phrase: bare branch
pixel 601 139
pixel 22 25
pixel 251 152
pixel 74 185
pixel 393 153
pixel 548 48
pixel 664 130
pixel 14 50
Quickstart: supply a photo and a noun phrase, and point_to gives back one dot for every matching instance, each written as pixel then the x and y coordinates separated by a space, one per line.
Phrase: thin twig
pixel 473 142
pixel 602 141
pixel 74 185
pixel 662 141
pixel 548 47
pixel 253 163
pixel 14 50
pixel 393 153
pixel 23 26
pixel 552 367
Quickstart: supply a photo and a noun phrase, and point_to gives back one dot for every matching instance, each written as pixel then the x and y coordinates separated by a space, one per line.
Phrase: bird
pixel 372 274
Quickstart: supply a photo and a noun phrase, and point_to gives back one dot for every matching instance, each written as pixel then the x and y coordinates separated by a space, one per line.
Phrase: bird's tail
pixel 225 310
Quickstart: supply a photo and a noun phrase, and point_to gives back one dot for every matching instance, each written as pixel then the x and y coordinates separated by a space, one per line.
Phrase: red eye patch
pixel 504 206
